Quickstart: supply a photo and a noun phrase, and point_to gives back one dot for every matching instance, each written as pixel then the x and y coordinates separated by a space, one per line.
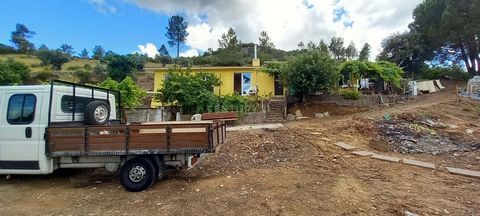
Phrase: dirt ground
pixel 294 170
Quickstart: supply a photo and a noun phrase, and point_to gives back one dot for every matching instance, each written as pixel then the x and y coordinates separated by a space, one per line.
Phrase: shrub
pixel 132 94
pixel 13 72
pixel 44 76
pixel 350 94
pixel 73 68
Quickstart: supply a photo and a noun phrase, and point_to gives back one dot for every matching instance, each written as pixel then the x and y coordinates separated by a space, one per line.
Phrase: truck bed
pixel 135 139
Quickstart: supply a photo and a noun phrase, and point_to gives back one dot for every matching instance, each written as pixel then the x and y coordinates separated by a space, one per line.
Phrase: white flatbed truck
pixel 68 125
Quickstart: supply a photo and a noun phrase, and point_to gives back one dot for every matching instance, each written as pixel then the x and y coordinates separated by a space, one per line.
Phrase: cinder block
pixel 419 163
pixel 345 146
pixel 464 172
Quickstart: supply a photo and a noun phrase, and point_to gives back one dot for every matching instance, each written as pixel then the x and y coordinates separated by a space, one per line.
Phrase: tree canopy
pixel 450 28
pixel 310 72
pixel 20 37
pixel 176 32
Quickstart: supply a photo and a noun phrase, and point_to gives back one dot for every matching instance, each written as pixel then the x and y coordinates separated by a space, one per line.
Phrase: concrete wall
pixel 252 118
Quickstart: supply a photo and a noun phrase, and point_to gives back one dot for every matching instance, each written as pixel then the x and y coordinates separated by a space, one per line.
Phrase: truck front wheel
pixel 137 174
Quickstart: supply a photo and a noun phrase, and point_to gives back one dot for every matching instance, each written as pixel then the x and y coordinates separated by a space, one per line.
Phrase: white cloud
pixel 149 49
pixel 288 21
pixel 102 6
pixel 190 53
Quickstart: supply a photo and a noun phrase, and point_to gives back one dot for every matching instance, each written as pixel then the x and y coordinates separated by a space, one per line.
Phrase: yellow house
pixel 240 79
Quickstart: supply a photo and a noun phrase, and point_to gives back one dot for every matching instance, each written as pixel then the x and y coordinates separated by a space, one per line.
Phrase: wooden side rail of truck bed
pixel 135 139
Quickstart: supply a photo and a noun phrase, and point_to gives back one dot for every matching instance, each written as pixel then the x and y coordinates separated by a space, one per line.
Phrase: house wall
pixel 226 75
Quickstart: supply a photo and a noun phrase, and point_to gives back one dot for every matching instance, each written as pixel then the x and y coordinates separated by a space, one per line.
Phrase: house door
pixel 237 83
pixel 278 85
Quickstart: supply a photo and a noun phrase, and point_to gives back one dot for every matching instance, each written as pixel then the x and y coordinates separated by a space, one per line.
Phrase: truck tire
pixel 137 174
pixel 97 113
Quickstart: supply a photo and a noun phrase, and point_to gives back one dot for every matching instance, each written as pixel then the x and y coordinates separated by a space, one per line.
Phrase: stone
pixel 469 131
pixel 345 146
pixel 290 117
pixel 408 213
pixel 385 158
pixel 478 158
pixel 327 139
pixel 419 163
pixel 319 115
pixel 326 114
pixel 301 117
pixel 298 113
pixel 451 126
pixel 464 172
pixel 363 153
pixel 315 133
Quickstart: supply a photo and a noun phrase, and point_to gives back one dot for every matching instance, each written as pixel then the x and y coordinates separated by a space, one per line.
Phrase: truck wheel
pixel 137 174
pixel 97 113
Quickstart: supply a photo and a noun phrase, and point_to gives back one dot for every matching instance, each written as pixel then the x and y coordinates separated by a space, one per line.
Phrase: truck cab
pixel 25 112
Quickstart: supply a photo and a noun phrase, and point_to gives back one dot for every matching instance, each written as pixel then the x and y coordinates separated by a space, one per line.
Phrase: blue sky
pixel 126 26
pixel 83 25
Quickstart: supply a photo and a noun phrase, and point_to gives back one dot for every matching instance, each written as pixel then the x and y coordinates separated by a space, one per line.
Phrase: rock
pixel 197 190
pixel 469 131
pixel 319 115
pixel 451 126
pixel 301 117
pixel 478 158
pixel 326 114
pixel 290 117
pixel 298 113
pixel 408 213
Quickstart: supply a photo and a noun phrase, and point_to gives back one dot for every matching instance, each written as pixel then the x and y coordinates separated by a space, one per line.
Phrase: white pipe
pixel 255 51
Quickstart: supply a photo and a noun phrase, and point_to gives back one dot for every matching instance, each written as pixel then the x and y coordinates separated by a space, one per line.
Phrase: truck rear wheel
pixel 137 174
pixel 97 113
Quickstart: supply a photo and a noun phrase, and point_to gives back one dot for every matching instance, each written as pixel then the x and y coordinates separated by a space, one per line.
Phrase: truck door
pixel 21 132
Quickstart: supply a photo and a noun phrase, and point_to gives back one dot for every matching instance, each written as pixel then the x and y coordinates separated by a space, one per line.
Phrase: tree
pixel 67 49
pixel 336 48
pixel 450 28
pixel 176 32
pixel 229 40
pixel 351 51
pixel 132 94
pixel 301 45
pixel 310 72
pixel 42 47
pixel 13 72
pixel 189 90
pixel 55 58
pixel 364 53
pixel 98 52
pixel 311 45
pixel 163 56
pixel 265 40
pixel 323 46
pixel 84 54
pixel 19 38
pixel 119 67
pixel 404 49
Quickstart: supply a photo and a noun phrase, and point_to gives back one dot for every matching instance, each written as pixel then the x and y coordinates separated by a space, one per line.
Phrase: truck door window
pixel 21 109
pixel 80 103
